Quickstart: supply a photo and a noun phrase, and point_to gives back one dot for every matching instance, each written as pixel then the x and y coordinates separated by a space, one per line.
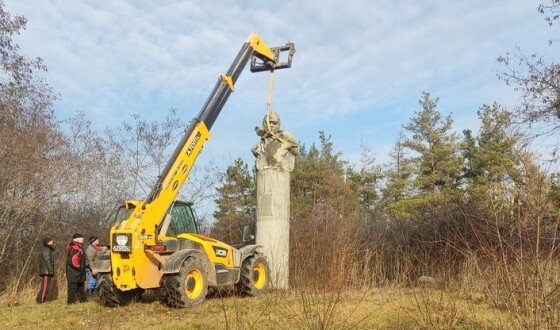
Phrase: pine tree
pixel 365 182
pixel 236 203
pixel 318 182
pixel 435 165
pixel 398 181
pixel 324 211
pixel 491 158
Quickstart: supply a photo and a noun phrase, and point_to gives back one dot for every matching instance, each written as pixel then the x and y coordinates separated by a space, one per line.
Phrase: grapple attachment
pixel 282 59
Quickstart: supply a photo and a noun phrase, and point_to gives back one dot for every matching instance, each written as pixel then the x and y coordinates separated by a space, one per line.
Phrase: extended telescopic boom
pixel 262 58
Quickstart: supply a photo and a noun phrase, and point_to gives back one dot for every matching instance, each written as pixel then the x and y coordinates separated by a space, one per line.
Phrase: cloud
pixel 359 68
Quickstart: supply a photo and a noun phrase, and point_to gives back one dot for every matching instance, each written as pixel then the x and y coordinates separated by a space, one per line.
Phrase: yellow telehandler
pixel 154 243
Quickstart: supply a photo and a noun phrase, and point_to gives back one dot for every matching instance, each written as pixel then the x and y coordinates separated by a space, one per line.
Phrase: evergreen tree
pixel 397 184
pixel 435 165
pixel 365 182
pixel 324 213
pixel 491 158
pixel 318 182
pixel 468 151
pixel 236 203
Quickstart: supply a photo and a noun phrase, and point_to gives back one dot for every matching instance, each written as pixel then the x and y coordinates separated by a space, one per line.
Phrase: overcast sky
pixel 358 72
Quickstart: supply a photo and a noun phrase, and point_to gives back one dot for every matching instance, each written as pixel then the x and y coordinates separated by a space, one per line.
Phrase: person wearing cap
pixel 46 269
pixel 76 269
pixel 91 272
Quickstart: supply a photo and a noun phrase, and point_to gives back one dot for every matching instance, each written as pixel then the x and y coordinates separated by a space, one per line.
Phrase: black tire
pixel 111 296
pixel 189 287
pixel 255 277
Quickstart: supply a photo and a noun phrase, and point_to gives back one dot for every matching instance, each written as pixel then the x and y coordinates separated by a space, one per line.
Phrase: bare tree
pixel 538 81
pixel 32 153
pixel 143 149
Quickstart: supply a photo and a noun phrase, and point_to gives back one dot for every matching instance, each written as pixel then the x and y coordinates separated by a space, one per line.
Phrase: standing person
pixel 91 272
pixel 76 269
pixel 46 269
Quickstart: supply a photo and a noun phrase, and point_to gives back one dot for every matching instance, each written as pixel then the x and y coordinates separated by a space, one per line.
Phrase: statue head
pixel 270 125
pixel 271 122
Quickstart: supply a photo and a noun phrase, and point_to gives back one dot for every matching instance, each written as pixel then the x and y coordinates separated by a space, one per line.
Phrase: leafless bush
pixel 517 266
pixel 324 252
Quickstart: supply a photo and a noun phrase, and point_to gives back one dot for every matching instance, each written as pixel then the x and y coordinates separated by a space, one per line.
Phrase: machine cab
pixel 179 219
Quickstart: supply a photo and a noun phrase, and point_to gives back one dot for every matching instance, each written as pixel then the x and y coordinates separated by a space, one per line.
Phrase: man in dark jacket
pixel 76 269
pixel 46 269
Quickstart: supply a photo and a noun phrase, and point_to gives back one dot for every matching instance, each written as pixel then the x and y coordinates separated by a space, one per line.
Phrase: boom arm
pixel 149 213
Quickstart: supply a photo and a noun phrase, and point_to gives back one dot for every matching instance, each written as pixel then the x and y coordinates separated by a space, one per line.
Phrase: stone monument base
pixel 273 223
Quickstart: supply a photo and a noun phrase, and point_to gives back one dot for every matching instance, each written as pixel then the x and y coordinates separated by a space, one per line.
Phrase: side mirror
pixel 248 235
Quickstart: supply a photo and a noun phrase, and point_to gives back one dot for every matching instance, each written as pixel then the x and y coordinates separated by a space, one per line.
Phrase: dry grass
pixel 368 309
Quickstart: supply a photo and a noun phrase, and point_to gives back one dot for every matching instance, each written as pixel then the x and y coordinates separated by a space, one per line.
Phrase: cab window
pixel 122 214
pixel 182 221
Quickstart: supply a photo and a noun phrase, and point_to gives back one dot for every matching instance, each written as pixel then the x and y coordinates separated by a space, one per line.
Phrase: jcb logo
pixel 219 252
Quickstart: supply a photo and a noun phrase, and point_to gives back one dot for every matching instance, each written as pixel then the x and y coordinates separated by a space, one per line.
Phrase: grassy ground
pixel 371 309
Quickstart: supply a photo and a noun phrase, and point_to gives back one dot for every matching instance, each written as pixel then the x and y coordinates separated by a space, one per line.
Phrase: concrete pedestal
pixel 273 222
pixel 275 153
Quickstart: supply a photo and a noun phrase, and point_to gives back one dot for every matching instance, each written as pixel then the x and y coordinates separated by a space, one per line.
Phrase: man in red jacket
pixel 76 269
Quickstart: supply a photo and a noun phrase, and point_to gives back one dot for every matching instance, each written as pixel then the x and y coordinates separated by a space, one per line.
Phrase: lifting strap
pixel 292 144
pixel 269 99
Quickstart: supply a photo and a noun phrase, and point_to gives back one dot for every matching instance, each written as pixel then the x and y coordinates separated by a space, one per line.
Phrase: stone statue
pixel 277 148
